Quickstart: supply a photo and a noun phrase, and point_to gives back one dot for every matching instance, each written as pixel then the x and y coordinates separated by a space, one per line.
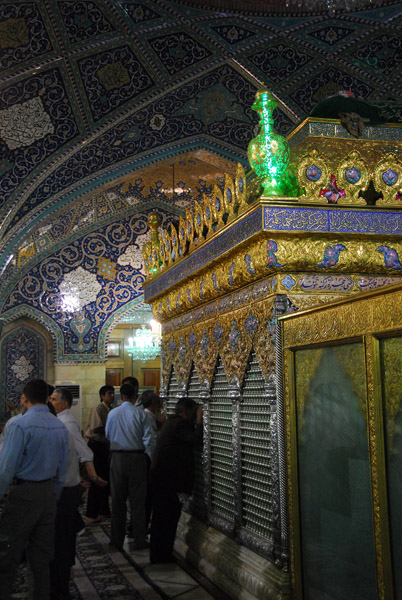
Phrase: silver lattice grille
pixel 193 392
pixel 255 461
pixel 222 497
pixel 172 393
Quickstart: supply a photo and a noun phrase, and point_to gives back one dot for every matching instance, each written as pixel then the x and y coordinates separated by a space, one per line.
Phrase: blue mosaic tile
pixel 331 35
pixel 337 221
pixel 22 359
pixel 305 95
pixel 205 343
pixel 40 287
pixel 260 289
pixel 326 283
pixel 383 53
pixel 83 20
pixel 232 33
pixel 41 107
pixel 113 148
pixel 178 51
pixel 217 333
pixel 280 61
pixel 372 283
pixel 234 336
pixel 241 297
pixel 111 78
pixel 139 12
pixel 251 324
pixel 288 282
pixel 23 34
pixel 391 257
pixel 210 309
pixel 331 256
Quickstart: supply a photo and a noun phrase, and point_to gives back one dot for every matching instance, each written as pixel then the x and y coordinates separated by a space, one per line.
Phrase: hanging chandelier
pixel 146 343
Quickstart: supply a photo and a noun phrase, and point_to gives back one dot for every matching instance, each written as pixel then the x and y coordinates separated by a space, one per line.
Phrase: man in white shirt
pixel 67 507
pixel 131 437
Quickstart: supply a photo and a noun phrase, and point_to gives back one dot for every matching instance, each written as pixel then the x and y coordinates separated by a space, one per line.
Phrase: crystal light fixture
pixel 146 343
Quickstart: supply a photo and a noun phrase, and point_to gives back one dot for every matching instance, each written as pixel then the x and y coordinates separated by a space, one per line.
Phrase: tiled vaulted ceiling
pixel 132 98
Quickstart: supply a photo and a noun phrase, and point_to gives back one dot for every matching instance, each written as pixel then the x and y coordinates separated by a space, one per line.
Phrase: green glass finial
pixel 268 153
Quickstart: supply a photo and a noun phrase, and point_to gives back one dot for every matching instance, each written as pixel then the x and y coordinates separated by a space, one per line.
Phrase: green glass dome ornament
pixel 268 153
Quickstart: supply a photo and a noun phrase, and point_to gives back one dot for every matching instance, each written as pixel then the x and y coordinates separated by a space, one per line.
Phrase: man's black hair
pixel 133 381
pixel 184 404
pixel 36 391
pixel 104 389
pixel 50 389
pixel 65 395
pixel 127 391
pixel 147 397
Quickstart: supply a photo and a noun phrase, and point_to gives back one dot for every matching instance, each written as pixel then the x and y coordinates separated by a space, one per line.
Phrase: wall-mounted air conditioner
pixel 75 389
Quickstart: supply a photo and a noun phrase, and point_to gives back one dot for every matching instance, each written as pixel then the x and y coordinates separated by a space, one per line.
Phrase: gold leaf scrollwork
pixel 190 231
pixel 198 220
pixel 241 190
pixel 146 252
pixel 205 351
pixel 218 207
pixel 229 195
pixel 236 344
pixel 175 250
pixel 182 232
pixel 262 341
pixel 208 215
pixel 313 174
pixel 388 180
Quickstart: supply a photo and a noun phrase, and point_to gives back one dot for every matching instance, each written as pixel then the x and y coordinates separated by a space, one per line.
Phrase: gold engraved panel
pixel 313 174
pixel 388 180
pixel 376 312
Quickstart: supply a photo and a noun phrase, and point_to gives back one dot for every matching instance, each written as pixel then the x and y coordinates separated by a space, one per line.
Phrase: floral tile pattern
pixel 112 78
pixel 22 354
pixel 23 34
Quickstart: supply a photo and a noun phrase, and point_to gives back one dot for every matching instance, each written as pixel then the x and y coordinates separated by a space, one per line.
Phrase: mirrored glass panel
pixel 336 523
pixel 391 366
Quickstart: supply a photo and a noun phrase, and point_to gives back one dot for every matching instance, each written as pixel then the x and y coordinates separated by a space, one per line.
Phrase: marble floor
pixel 102 572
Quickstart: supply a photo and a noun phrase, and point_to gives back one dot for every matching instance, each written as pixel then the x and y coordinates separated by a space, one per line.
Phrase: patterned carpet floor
pixel 104 574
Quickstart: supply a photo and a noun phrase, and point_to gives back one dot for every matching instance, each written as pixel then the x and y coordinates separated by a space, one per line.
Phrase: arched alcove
pixel 25 353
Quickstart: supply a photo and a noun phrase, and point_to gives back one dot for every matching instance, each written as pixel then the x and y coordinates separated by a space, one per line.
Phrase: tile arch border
pixel 113 320
pixel 17 233
pixel 36 315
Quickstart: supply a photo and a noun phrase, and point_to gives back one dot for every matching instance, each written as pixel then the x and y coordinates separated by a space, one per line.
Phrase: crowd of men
pixel 131 454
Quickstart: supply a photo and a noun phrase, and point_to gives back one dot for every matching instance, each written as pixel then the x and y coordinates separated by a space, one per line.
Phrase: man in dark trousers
pixel 98 497
pixel 32 462
pixel 131 436
pixel 172 471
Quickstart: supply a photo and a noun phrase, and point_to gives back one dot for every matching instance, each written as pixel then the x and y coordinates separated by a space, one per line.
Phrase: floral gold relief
pixel 323 263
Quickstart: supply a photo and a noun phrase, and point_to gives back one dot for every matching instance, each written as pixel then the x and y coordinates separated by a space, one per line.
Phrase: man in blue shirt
pixel 32 463
pixel 131 436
